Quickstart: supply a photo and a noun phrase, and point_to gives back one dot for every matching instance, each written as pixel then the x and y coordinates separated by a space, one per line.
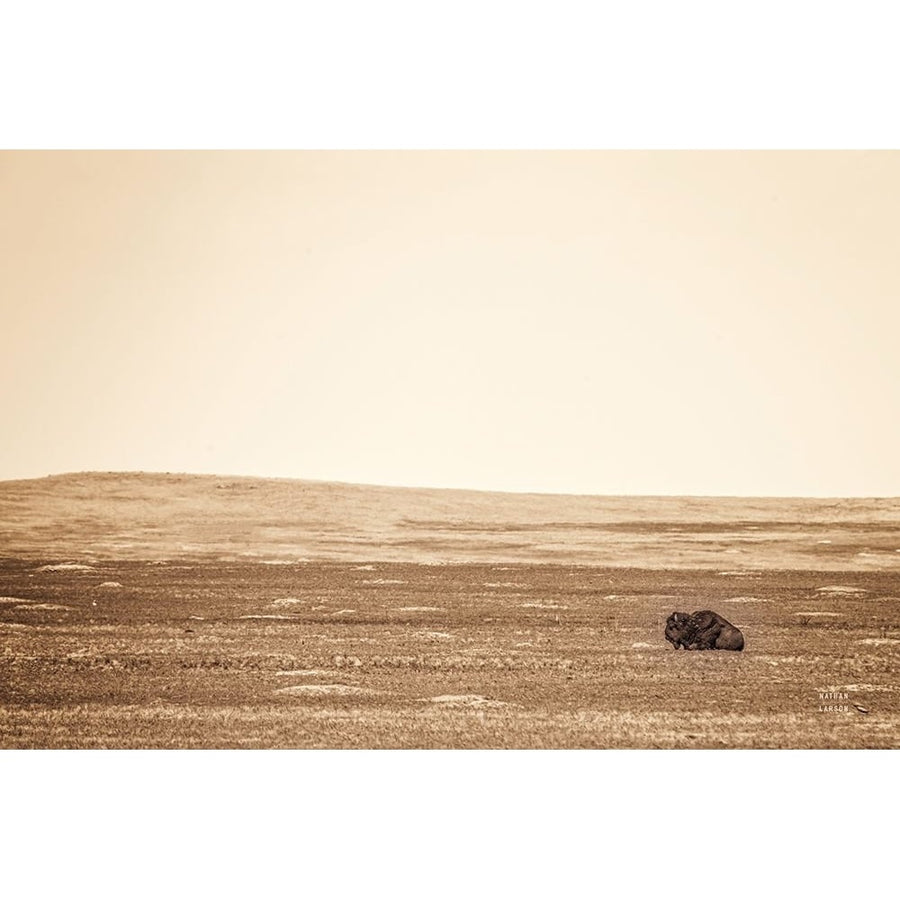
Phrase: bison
pixel 703 630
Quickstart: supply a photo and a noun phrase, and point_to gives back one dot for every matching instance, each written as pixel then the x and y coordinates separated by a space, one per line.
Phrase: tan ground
pixel 112 636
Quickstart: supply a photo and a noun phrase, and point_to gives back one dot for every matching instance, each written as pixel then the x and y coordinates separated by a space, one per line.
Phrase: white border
pixel 443 823
pixel 487 74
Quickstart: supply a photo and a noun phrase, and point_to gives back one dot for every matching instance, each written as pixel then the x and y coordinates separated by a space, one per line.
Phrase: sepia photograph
pixel 450 449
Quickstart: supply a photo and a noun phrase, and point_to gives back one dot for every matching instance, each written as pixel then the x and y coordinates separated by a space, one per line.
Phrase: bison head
pixel 677 626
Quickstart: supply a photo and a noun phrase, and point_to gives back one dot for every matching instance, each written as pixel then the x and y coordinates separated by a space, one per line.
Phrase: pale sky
pixel 582 322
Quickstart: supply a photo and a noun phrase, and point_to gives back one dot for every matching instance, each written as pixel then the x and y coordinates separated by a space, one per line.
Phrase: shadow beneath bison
pixel 703 630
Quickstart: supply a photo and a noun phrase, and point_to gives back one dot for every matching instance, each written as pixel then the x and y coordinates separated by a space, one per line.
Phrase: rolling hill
pixel 97 516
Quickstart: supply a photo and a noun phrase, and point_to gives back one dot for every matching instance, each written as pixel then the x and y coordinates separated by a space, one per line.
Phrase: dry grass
pixel 186 654
pixel 81 519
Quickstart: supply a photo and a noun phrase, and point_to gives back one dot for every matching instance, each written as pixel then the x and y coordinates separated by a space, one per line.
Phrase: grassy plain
pixel 179 611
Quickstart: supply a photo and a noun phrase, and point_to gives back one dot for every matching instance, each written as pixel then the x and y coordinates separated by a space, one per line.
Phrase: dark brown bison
pixel 703 630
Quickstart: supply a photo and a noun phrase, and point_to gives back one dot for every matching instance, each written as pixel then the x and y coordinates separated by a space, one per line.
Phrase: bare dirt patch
pixel 340 690
pixel 39 606
pixel 466 700
pixel 267 616
pixel 543 606
pixel 307 673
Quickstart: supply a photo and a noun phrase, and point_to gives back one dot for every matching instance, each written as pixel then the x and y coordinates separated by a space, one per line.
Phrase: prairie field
pixel 152 611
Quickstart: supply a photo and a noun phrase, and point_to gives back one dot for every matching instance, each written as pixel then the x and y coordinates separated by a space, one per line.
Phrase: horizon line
pixel 419 487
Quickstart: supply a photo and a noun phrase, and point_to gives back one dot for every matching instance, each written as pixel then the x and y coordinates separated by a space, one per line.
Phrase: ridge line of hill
pixel 138 473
